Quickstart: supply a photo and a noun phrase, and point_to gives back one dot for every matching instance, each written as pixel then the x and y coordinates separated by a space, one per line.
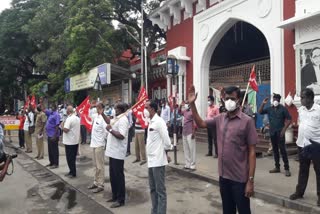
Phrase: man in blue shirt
pixel 279 119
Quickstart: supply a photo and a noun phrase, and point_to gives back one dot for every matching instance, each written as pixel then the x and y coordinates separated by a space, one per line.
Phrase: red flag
pixel 142 93
pixel 26 104
pixel 33 101
pixel 138 111
pixel 252 80
pixel 83 110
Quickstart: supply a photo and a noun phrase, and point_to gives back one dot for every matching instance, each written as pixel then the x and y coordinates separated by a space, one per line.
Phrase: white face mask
pixel 209 103
pixel 275 103
pixel 186 106
pixel 230 105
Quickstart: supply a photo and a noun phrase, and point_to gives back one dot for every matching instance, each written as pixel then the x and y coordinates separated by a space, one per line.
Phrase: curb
pixel 259 194
pixel 61 178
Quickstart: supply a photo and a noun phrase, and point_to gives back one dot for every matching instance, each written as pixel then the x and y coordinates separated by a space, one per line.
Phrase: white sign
pixel 84 80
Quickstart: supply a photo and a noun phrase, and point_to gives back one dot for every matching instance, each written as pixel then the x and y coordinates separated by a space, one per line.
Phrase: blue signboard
pixel 102 71
pixel 67 85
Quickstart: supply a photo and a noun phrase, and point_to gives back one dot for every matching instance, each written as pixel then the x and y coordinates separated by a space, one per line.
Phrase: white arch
pixel 209 28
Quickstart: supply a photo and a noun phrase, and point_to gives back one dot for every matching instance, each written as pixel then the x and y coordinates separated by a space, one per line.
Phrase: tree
pixel 128 12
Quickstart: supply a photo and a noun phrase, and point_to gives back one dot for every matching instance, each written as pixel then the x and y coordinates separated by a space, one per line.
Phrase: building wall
pixel 289 56
pixel 182 35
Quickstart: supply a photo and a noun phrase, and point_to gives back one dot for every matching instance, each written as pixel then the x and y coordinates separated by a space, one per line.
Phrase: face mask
pixel 186 106
pixel 275 103
pixel 209 103
pixel 230 105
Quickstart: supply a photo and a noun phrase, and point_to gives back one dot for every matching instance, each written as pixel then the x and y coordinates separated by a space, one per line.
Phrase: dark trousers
pixel 71 155
pixel 158 189
pixel 117 179
pixel 304 166
pixel 212 140
pixel 233 197
pixel 130 136
pixel 21 138
pixel 83 132
pixel 279 143
pixel 53 150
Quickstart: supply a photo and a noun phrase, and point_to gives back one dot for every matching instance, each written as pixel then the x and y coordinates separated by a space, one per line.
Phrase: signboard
pixel 104 72
pixel 10 122
pixel 67 85
pixel 84 80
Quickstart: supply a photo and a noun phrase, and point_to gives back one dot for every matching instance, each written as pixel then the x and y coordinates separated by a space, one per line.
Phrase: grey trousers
pixel 158 190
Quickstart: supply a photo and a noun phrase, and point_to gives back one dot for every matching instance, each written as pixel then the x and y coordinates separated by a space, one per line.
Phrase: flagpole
pixel 245 95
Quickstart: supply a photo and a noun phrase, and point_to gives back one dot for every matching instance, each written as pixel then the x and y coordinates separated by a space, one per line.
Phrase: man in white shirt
pixel 165 112
pixel 116 151
pixel 71 137
pixel 29 122
pixel 158 142
pixel 97 143
pixel 309 129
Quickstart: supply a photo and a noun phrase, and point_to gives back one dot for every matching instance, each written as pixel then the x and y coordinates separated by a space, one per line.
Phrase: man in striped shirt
pixel 140 147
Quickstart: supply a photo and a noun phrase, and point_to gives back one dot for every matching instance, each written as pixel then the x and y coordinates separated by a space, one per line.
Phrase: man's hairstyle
pixel 101 104
pixel 211 98
pixel 308 92
pixel 153 105
pixel 315 48
pixel 276 96
pixel 122 107
pixel 229 90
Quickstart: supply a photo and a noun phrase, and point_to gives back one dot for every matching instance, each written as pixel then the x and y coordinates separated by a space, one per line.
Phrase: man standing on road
pixel 237 139
pixel 279 119
pixel 116 151
pixel 165 112
pixel 158 142
pixel 188 137
pixel 29 122
pixel 139 141
pixel 21 117
pixel 98 136
pixel 309 129
pixel 212 111
pixel 71 138
pixel 52 129
pixel 39 130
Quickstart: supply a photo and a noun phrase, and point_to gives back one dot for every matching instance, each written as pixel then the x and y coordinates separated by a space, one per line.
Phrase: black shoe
pixel 54 166
pixel 136 161
pixel 117 204
pixel 209 154
pixel 288 173
pixel 111 200
pixel 275 170
pixel 296 196
pixel 143 162
pixel 48 165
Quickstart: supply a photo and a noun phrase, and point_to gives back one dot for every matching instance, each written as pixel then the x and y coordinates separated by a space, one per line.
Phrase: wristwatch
pixel 251 178
pixel 110 130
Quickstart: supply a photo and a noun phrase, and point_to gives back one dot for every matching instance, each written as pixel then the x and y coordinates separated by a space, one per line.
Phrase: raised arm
pixel 192 96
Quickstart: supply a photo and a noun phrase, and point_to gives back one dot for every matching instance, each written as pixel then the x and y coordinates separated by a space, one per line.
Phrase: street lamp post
pixel 172 69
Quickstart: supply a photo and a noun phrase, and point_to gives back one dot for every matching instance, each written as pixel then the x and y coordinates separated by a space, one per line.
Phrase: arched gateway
pixel 210 26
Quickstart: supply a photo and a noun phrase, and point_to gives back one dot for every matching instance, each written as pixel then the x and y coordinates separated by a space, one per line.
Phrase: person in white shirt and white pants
pixel 309 130
pixel 71 137
pixel 158 142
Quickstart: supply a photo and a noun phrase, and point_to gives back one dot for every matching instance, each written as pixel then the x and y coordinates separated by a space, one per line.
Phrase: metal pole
pixel 146 67
pixel 174 113
pixel 142 43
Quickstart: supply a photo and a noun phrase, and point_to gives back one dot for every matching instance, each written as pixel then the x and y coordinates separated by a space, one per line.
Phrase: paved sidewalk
pixel 274 188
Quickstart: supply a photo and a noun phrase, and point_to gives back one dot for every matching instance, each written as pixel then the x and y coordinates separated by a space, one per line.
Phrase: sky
pixel 4 4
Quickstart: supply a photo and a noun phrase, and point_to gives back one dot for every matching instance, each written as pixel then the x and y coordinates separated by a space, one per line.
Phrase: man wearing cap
pixel 279 119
